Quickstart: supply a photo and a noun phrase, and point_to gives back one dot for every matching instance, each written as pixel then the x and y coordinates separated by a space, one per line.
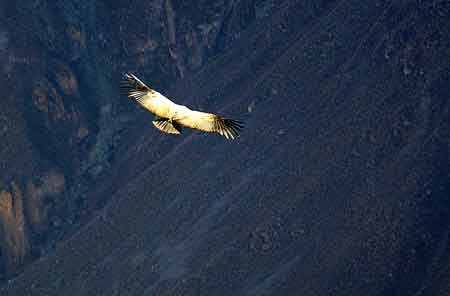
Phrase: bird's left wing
pixel 208 122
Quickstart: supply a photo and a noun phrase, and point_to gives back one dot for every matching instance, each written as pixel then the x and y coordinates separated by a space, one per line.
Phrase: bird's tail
pixel 133 87
pixel 170 127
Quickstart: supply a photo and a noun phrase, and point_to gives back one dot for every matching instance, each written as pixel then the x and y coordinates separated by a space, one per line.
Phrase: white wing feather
pixel 209 122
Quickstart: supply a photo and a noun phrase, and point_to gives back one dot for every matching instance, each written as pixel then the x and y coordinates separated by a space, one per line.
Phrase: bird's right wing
pixel 208 122
pixel 150 99
pixel 134 88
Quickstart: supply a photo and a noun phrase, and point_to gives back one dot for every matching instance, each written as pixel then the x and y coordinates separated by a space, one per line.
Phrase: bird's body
pixel 172 116
pixel 159 105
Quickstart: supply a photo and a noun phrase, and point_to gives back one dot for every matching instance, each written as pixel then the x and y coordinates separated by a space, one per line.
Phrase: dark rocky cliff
pixel 61 117
pixel 338 186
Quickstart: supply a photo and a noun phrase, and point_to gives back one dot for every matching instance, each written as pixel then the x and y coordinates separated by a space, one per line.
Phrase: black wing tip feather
pixel 133 87
pixel 127 84
pixel 229 128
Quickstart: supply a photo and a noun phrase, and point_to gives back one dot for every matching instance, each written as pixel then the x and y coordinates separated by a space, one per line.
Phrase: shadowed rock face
pixel 338 186
pixel 61 117
pixel 15 246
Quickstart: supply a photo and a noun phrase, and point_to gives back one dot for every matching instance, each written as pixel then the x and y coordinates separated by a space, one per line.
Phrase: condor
pixel 171 116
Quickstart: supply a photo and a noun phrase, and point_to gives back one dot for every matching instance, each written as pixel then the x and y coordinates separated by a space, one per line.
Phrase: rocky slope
pixel 61 116
pixel 339 185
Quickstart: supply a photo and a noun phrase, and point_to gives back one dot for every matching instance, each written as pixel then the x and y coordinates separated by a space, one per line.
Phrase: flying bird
pixel 171 117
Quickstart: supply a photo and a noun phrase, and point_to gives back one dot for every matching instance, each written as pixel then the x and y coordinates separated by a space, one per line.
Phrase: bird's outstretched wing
pixel 153 101
pixel 208 122
pixel 133 87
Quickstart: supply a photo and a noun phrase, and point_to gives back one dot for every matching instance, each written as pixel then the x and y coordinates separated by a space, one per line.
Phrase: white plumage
pixel 173 116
